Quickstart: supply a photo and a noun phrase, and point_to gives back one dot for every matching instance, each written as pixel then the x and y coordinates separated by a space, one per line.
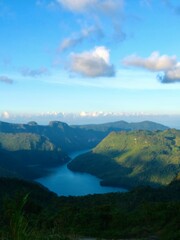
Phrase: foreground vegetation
pixel 29 211
pixel 130 159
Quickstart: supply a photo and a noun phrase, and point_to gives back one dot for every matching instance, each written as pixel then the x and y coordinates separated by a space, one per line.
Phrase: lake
pixel 64 182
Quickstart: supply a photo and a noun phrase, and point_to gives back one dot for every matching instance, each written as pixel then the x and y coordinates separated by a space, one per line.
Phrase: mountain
pixel 60 134
pixel 28 150
pixel 122 125
pixel 73 138
pixel 28 155
pixel 130 159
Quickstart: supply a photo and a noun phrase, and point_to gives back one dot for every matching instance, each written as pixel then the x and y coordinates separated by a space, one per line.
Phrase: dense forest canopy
pixel 133 158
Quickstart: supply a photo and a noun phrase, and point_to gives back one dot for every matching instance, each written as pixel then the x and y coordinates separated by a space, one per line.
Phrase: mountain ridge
pixel 123 125
pixel 21 143
pixel 129 159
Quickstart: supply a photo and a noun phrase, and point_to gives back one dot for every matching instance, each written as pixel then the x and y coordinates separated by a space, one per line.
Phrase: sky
pixel 86 61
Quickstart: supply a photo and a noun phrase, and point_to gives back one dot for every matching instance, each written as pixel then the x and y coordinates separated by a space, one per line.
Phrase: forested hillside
pixel 124 158
pixel 133 158
pixel 73 138
pixel 28 155
pixel 60 134
pixel 28 150
pixel 29 211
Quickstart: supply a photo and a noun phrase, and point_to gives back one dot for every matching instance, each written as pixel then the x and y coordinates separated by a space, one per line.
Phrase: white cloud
pixel 155 62
pixel 93 63
pixel 167 66
pixel 101 52
pixel 91 114
pixel 5 115
pixel 170 76
pixel 171 120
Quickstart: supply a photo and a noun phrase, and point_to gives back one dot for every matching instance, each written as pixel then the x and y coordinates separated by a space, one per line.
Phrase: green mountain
pixel 129 159
pixel 28 150
pixel 60 134
pixel 29 211
pixel 28 155
pixel 73 138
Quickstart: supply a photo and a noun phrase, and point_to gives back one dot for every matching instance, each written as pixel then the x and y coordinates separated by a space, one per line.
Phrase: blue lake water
pixel 64 182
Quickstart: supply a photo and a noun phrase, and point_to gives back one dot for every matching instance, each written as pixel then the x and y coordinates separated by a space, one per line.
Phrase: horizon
pixel 171 121
pixel 117 57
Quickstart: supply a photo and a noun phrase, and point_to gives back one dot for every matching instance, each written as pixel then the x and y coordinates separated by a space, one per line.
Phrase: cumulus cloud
pixel 94 63
pixel 6 79
pixel 170 76
pixel 27 72
pixel 154 62
pixel 168 66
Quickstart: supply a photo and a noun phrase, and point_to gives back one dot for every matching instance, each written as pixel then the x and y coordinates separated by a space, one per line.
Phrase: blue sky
pixel 89 60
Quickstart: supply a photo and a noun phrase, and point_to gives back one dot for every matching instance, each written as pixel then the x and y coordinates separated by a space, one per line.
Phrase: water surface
pixel 64 182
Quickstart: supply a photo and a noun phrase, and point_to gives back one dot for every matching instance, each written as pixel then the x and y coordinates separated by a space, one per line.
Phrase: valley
pixel 31 150
pixel 142 157
pixel 65 182
pixel 89 120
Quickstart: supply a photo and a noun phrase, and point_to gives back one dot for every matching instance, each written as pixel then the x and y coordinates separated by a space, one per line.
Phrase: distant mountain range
pixel 28 150
pixel 122 125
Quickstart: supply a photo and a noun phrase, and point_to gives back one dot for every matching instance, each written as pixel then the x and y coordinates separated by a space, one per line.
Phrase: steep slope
pixel 129 159
pixel 73 138
pixel 60 134
pixel 27 150
pixel 28 155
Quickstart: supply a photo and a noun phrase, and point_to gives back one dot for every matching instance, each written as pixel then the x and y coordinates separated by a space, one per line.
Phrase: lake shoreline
pixel 65 182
